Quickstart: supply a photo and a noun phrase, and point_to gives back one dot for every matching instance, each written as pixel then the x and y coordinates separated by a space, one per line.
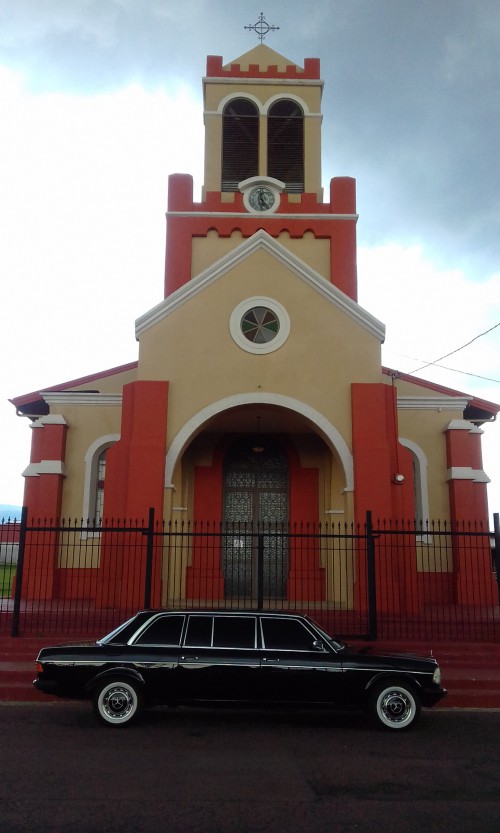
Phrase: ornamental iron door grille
pixel 255 501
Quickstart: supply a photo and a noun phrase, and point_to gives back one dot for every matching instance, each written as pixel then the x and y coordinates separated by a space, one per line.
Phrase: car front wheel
pixel 394 706
pixel 117 702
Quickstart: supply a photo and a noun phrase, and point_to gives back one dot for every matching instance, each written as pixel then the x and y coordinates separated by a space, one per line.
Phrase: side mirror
pixel 318 645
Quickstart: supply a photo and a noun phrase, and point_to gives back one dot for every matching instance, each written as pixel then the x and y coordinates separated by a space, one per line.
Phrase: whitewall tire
pixel 117 702
pixel 394 706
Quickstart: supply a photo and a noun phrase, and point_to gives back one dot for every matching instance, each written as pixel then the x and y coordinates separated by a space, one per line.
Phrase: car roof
pixel 221 612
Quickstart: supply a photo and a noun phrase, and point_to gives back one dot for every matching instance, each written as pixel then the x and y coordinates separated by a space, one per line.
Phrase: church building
pixel 258 395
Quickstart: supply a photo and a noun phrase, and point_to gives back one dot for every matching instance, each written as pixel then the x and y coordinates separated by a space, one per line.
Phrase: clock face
pixel 261 198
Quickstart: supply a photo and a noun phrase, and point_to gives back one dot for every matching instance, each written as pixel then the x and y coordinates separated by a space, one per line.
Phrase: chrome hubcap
pixel 118 703
pixel 396 706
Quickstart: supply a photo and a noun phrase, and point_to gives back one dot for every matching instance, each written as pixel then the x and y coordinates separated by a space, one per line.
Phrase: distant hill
pixel 8 510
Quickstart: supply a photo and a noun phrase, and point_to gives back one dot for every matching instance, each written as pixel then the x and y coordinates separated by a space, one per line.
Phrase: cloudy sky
pixel 101 101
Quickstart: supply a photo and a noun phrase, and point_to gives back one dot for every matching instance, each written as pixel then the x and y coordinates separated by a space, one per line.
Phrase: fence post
pixel 19 572
pixel 149 558
pixel 496 555
pixel 260 571
pixel 370 575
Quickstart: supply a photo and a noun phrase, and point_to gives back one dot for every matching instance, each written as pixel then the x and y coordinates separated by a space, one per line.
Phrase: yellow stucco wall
pixel 86 423
pixel 425 425
pixel 314 252
pixel 325 351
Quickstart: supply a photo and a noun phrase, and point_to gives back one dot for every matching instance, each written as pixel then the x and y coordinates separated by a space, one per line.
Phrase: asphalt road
pixel 206 771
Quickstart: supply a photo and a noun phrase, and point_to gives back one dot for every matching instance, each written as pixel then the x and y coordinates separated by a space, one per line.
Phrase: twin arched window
pixel 285 143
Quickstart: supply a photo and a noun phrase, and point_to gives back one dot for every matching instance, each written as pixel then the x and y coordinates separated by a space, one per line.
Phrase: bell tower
pixel 262 170
pixel 263 118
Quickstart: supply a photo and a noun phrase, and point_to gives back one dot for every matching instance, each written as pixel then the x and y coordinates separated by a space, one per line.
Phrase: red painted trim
pixel 340 231
pixel 35 396
pixel 484 404
pixel 216 69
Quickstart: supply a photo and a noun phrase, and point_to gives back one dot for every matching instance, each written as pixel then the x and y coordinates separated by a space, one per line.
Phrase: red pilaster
pixel 306 580
pixel 378 458
pixel 43 496
pixel 473 578
pixel 179 233
pixel 135 472
pixel 467 480
pixel 343 236
pixel 204 579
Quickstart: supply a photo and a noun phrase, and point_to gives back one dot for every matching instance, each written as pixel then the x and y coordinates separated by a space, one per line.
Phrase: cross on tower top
pixel 262 27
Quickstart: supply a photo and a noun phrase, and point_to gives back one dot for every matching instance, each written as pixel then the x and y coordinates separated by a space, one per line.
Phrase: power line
pixel 444 367
pixel 457 351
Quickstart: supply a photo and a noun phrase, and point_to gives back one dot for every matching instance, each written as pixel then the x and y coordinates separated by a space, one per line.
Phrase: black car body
pixel 252 658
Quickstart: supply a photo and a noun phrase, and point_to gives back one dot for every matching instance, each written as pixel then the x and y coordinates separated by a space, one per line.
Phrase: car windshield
pixel 335 643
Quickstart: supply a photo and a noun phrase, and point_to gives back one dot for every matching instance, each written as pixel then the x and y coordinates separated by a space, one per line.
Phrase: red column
pixel 378 458
pixel 179 233
pixel 466 478
pixel 474 584
pixel 135 473
pixel 343 237
pixel 43 497
pixel 204 579
pixel 306 581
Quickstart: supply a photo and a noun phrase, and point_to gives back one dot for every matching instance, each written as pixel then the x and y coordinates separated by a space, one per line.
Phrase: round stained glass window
pixel 260 325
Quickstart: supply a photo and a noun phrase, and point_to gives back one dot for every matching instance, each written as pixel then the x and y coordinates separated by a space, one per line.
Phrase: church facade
pixel 259 394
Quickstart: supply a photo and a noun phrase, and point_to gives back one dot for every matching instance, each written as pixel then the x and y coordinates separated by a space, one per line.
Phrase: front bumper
pixel 429 697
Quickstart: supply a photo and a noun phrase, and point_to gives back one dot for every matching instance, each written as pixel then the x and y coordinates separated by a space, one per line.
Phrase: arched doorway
pixel 255 515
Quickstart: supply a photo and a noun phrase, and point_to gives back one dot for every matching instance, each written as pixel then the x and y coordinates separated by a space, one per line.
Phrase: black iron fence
pixel 396 581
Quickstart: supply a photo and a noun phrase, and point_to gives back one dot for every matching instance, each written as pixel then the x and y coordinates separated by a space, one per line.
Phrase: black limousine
pixel 251 658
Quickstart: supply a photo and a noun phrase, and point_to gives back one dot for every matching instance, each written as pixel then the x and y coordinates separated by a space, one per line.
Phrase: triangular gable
pixel 264 57
pixel 261 240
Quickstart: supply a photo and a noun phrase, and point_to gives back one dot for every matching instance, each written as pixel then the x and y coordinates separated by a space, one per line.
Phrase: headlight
pixel 436 677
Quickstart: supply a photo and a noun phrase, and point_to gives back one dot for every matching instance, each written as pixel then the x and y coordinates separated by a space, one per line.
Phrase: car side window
pixel 234 632
pixel 286 635
pixel 199 632
pixel 164 630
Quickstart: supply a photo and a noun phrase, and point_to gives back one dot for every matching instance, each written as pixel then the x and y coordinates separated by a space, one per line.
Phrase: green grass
pixel 7 573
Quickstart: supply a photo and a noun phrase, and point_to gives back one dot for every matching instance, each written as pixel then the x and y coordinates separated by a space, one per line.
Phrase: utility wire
pixel 456 351
pixel 444 367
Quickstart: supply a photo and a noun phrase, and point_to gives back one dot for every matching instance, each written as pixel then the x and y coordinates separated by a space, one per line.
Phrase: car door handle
pixel 189 659
pixel 270 659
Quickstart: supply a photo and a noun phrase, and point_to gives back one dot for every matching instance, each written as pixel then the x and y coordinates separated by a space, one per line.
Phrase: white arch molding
pixel 90 460
pixel 330 434
pixel 421 483
pixel 262 106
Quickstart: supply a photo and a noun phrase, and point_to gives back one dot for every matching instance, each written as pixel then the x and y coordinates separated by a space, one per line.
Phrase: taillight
pixel 39 667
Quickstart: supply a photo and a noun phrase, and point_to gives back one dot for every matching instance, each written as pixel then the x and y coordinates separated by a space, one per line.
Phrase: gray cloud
pixel 411 103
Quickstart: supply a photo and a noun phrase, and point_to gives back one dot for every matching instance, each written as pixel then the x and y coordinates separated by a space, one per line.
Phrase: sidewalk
pixel 471 671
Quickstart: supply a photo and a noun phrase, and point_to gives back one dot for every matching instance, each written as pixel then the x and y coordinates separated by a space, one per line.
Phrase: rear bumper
pixel 47 686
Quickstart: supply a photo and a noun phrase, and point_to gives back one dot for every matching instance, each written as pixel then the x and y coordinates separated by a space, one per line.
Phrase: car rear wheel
pixel 394 706
pixel 117 702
